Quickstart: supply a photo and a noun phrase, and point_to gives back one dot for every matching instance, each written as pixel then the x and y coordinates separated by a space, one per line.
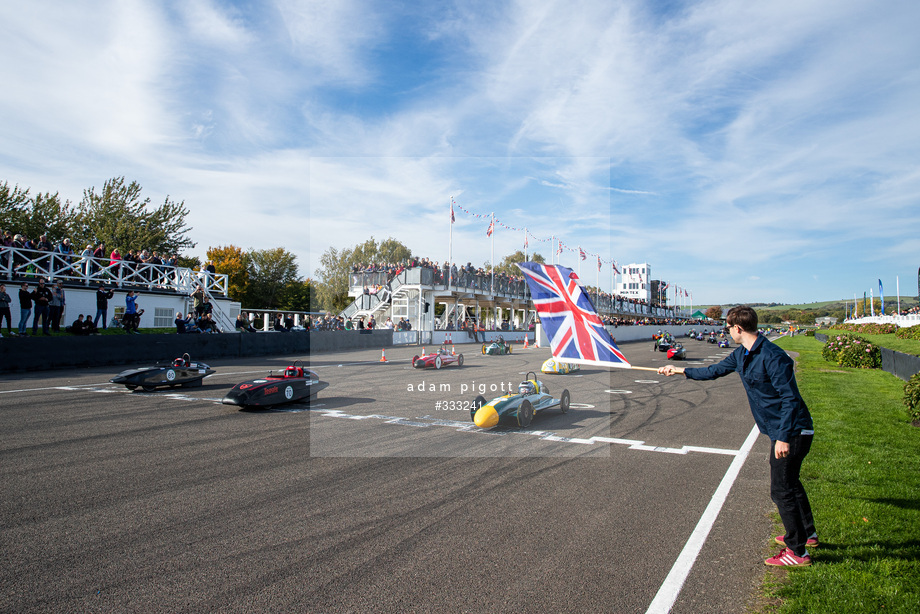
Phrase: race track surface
pixel 379 497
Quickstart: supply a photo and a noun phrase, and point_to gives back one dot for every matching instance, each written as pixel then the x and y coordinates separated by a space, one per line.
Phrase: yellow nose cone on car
pixel 486 417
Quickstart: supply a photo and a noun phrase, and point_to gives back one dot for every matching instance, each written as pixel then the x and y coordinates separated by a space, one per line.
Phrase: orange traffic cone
pixel 526 342
pixel 383 355
pixel 452 351
pixel 449 341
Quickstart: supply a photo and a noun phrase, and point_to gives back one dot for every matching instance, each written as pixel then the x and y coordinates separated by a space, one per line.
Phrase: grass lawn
pixel 863 479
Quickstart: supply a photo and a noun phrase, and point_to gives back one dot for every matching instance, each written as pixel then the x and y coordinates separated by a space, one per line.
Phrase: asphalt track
pixel 377 499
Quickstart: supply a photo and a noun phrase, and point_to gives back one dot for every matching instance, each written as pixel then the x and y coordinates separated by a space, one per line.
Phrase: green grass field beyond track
pixel 863 479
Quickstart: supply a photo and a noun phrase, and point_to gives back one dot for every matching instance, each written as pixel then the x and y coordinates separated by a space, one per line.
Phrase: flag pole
pixel 492 258
pixel 450 244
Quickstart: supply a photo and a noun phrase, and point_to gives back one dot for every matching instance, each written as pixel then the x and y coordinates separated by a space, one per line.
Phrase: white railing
pixel 904 321
pixel 26 264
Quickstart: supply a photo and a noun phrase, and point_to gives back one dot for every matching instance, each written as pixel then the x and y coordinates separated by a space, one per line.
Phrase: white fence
pixel 902 321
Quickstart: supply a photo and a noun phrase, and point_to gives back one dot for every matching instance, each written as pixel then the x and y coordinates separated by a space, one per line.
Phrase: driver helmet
pixel 526 387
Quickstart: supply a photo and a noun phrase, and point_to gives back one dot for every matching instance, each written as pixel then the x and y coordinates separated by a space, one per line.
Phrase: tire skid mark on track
pixel 467 427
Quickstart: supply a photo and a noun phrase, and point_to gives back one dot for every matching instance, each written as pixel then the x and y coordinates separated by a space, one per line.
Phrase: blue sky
pixel 748 152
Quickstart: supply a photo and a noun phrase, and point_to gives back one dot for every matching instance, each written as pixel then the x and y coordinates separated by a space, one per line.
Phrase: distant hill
pixel 890 302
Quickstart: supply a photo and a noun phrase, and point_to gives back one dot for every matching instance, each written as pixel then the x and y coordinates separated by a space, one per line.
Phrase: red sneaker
pixel 811 543
pixel 787 558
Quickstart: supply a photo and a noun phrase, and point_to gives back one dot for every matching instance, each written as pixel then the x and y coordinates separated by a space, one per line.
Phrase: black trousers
pixel 789 495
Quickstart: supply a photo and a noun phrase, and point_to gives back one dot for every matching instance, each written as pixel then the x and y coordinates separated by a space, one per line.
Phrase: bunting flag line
pixel 496 223
pixel 576 332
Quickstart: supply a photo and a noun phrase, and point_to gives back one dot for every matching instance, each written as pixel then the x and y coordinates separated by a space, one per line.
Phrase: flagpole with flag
pixel 881 295
pixel 492 258
pixel 450 244
pixel 576 332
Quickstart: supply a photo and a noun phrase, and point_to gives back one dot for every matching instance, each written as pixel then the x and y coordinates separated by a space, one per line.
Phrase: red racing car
pixel 437 359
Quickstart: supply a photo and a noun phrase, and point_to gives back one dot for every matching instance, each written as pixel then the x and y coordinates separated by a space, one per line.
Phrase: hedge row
pixel 867 329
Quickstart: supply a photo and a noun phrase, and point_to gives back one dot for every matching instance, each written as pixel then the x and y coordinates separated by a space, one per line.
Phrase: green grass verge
pixel 863 479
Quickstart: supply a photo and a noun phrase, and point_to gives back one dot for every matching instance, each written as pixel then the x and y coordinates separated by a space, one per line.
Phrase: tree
pixel 235 263
pixel 297 296
pixel 714 312
pixel 119 217
pixel 43 214
pixel 333 274
pixel 270 271
pixel 14 203
pixel 507 265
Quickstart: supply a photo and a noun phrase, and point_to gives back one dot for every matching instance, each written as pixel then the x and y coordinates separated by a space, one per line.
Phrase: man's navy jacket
pixel 768 375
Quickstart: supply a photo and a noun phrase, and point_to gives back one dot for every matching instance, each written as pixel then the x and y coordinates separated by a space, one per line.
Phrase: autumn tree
pixel 714 312
pixel 233 262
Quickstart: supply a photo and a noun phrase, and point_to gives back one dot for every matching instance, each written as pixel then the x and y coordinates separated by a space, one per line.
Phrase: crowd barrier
pixel 899 364
pixel 129 351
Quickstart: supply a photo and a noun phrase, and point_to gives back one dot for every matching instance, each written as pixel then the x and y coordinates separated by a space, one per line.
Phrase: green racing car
pixel 498 347
pixel 518 409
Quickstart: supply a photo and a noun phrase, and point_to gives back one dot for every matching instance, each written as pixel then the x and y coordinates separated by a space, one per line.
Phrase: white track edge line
pixel 674 582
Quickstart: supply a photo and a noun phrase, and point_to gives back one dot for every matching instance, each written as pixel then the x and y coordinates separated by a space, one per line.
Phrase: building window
pixel 163 317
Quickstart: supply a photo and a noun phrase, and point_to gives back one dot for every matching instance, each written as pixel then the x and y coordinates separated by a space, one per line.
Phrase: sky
pixel 747 151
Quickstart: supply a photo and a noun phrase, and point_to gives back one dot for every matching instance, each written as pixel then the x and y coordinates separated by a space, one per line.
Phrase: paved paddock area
pixel 381 496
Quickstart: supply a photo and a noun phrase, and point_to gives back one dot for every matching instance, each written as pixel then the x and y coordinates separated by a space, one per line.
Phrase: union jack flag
pixel 452 220
pixel 614 265
pixel 491 229
pixel 575 331
pixel 581 253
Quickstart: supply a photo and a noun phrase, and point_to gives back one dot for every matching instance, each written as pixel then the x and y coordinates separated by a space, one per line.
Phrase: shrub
pixel 867 329
pixel 852 351
pixel 912 396
pixel 909 332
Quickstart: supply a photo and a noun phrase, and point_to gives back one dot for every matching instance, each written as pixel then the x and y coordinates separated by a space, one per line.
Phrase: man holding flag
pixel 768 375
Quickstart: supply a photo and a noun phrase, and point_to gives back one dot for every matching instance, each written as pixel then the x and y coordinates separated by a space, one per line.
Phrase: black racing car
pixel 180 372
pixel 295 383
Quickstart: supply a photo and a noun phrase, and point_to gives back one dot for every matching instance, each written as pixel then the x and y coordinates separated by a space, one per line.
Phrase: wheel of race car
pixel 437 361
pixel 524 413
pixel 509 349
pixel 131 386
pixel 149 388
pixel 564 401
pixel 483 348
pixel 459 360
pixel 414 358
